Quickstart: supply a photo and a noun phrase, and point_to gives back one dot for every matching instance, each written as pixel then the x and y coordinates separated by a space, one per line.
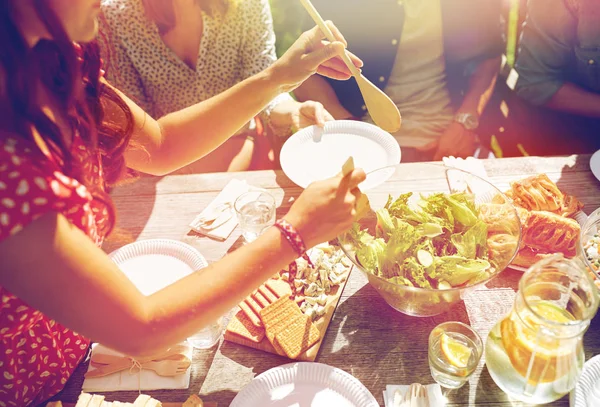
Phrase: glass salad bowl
pixel 432 234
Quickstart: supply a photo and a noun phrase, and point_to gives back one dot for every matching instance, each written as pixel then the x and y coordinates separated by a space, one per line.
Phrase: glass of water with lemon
pixel 454 352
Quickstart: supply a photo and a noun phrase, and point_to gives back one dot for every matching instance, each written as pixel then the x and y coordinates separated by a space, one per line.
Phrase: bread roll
pixel 551 233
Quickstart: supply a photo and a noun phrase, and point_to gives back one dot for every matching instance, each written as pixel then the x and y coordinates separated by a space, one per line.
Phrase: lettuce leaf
pixel 472 244
pixel 457 270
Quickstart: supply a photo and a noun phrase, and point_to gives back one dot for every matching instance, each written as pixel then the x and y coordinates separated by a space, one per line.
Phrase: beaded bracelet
pixel 293 237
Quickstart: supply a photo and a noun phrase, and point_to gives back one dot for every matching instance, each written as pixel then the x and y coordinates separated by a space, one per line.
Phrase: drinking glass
pixel 454 352
pixel 207 337
pixel 535 354
pixel 256 213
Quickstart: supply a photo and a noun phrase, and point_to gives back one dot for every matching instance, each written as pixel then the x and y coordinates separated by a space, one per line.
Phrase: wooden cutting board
pixel 322 324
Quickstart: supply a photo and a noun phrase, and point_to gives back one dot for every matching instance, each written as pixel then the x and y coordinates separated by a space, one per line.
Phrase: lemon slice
pixel 455 352
pixel 552 312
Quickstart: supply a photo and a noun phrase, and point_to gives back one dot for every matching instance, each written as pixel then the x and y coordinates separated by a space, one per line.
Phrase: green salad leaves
pixel 440 243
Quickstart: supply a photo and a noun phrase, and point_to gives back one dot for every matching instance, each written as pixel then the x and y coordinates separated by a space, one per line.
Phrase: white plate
pixel 595 164
pixel 314 154
pixel 157 263
pixel 580 217
pixel 305 384
pixel 587 391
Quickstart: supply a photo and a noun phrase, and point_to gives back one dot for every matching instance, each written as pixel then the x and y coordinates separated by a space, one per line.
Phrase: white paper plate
pixel 157 263
pixel 314 154
pixel 580 217
pixel 595 164
pixel 587 391
pixel 305 384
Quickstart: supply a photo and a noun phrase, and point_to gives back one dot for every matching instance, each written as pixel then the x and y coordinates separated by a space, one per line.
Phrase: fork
pixel 416 396
pixel 100 359
pixel 214 218
pixel 167 367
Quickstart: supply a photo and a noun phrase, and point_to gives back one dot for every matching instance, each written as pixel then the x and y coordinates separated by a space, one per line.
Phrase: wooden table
pixel 366 338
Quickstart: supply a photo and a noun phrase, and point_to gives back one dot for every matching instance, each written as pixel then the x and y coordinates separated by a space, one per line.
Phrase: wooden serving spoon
pixel 383 111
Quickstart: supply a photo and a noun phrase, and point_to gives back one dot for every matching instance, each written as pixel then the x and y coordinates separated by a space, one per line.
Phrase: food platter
pixel 304 296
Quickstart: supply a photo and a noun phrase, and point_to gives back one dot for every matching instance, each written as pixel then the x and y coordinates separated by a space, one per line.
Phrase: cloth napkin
pixel 228 195
pixel 134 379
pixel 434 393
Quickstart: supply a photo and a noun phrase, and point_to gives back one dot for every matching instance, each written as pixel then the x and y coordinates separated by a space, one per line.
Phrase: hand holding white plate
pixel 315 154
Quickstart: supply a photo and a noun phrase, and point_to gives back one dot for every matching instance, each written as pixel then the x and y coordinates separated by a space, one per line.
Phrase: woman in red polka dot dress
pixel 65 136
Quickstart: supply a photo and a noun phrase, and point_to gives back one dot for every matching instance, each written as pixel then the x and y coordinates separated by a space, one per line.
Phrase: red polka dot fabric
pixel 38 355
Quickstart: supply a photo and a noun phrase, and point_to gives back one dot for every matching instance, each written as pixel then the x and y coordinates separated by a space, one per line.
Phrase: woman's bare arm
pixel 183 137
pixel 55 268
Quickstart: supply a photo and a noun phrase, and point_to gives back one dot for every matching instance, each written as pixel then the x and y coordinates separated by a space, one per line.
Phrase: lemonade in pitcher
pixel 535 354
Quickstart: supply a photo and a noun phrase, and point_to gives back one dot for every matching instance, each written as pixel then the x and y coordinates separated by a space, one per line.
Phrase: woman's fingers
pixel 336 33
pixel 324 54
pixel 333 74
pixel 314 111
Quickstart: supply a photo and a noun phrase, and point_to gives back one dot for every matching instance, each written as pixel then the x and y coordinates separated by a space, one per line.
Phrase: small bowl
pixel 590 228
pixel 426 179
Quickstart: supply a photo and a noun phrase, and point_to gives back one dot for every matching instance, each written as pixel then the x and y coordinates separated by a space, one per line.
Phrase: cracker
pixel 260 299
pixel 253 304
pixel 278 315
pixel 297 337
pixel 268 294
pixel 241 325
pixel 288 318
pixel 279 288
pixel 278 349
pixel 252 316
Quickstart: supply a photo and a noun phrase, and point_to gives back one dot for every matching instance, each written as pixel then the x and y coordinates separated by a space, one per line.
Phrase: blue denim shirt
pixel 551 53
pixel 373 28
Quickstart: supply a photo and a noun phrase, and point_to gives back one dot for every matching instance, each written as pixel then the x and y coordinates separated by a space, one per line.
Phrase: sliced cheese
pixel 141 400
pixel 83 400
pixel 96 401
pixel 153 403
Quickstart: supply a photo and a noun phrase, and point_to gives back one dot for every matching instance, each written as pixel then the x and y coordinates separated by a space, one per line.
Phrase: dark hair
pixel 72 75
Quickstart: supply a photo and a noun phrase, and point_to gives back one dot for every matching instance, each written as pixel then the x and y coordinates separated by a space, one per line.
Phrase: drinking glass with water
pixel 256 213
pixel 208 336
pixel 455 350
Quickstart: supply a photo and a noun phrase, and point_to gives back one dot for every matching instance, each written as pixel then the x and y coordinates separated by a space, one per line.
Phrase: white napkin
pixel 434 393
pixel 134 379
pixel 228 195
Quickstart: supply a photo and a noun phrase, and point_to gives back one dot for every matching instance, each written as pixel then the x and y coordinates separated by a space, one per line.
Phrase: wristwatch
pixel 468 120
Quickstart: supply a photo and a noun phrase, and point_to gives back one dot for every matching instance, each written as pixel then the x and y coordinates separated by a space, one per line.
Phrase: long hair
pixel 163 14
pixel 72 75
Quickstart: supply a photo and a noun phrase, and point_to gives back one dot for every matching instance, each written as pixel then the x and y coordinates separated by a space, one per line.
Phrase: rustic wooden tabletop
pixel 366 338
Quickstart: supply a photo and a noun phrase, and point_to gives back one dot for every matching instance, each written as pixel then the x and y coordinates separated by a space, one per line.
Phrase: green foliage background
pixel 288 18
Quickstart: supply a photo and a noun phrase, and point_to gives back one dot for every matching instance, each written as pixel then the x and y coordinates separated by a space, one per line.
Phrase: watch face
pixel 471 122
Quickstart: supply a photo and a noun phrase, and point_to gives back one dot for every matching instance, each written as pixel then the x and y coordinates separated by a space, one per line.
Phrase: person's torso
pixel 584 69
pixel 417 83
pixel 39 355
pixel 373 29
pixel 167 81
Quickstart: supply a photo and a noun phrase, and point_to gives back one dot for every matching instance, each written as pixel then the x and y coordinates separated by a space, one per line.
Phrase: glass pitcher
pixel 535 354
